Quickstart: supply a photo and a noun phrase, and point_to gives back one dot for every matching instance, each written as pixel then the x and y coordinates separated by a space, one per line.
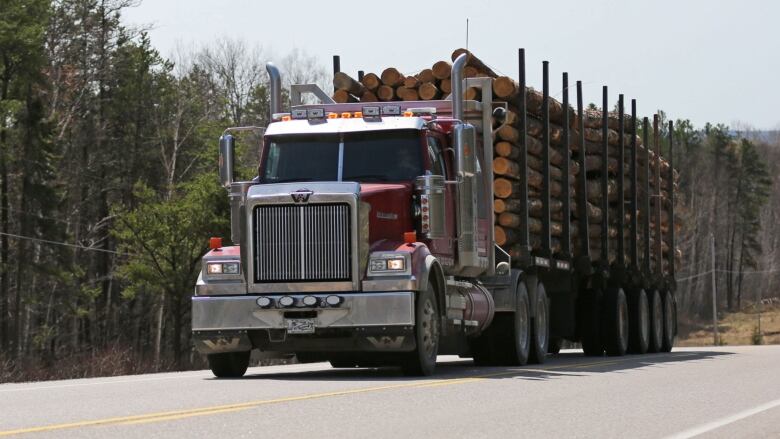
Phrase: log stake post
pixel 546 159
pixel 604 179
pixel 566 222
pixel 621 172
pixel 582 188
pixel 633 208
pixel 670 189
pixel 657 214
pixel 361 74
pixel 646 199
pixel 336 66
pixel 524 241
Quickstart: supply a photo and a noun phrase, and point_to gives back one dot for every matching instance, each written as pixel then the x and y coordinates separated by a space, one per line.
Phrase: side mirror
pixel 226 159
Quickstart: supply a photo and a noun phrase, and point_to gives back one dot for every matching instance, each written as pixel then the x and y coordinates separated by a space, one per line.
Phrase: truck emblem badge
pixel 301 195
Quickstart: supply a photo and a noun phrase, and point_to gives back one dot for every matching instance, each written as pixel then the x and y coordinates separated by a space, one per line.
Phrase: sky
pixel 705 60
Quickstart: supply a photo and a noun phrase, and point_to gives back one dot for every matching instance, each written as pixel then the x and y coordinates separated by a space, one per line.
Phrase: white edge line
pixel 704 428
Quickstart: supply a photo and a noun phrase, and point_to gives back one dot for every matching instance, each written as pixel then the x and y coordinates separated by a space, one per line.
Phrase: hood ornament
pixel 301 195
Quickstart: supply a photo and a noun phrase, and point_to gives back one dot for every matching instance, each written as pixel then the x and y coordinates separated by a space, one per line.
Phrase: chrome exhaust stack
pixel 457 86
pixel 276 88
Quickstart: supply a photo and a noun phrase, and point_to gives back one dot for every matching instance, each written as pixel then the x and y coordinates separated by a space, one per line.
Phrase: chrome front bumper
pixel 359 310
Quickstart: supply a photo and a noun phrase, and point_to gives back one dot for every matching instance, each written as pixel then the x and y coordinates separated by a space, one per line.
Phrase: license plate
pixel 300 326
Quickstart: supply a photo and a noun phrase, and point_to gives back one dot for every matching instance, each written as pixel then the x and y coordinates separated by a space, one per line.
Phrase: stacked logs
pixel 435 83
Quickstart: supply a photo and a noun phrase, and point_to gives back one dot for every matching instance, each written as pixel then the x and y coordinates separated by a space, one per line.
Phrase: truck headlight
pixel 220 268
pixel 388 263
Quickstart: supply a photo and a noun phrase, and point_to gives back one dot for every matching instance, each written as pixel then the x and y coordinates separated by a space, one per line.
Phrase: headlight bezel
pixel 222 269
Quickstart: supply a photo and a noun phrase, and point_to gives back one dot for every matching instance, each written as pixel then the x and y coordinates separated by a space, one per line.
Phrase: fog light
pixel 333 300
pixel 264 302
pixel 309 300
pixel 286 301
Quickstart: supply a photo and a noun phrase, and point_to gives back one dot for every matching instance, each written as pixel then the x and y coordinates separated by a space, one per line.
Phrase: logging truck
pixel 387 232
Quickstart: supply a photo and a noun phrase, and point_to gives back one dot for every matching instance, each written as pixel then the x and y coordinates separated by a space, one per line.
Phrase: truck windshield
pixel 366 157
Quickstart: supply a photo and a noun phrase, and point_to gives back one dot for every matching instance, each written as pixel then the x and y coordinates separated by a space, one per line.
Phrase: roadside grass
pixel 735 328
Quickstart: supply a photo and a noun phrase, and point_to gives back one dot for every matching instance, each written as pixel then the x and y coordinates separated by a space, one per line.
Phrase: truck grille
pixel 294 243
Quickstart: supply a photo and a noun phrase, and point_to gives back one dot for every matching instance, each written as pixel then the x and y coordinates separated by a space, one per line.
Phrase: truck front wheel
pixel 229 364
pixel 422 361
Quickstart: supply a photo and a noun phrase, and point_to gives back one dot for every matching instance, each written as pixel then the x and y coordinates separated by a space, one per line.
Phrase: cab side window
pixel 437 160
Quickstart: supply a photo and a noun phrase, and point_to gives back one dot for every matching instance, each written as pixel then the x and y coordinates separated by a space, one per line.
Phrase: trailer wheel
pixel 616 322
pixel 656 322
pixel 229 364
pixel 589 323
pixel 670 322
pixel 639 319
pixel 422 361
pixel 540 329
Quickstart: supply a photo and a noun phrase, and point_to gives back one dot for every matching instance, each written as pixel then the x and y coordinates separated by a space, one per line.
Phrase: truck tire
pixel 229 364
pixel 656 322
pixel 507 341
pixel 589 323
pixel 639 319
pixel 670 321
pixel 616 322
pixel 427 328
pixel 540 328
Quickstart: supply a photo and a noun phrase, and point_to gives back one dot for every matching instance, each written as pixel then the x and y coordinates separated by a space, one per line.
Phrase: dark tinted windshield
pixel 375 156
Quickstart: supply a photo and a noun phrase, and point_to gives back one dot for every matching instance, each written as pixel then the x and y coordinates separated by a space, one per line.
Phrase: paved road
pixel 716 392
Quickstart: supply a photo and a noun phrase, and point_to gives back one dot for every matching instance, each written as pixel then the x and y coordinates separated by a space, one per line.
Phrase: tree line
pixel 108 188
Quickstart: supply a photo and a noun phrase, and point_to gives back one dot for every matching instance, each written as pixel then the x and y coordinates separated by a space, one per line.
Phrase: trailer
pixel 368 236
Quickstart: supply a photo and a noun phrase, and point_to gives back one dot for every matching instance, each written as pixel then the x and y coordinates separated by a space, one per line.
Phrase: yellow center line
pixel 227 408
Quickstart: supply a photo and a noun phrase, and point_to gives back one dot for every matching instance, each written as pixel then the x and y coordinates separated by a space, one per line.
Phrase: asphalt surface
pixel 725 392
